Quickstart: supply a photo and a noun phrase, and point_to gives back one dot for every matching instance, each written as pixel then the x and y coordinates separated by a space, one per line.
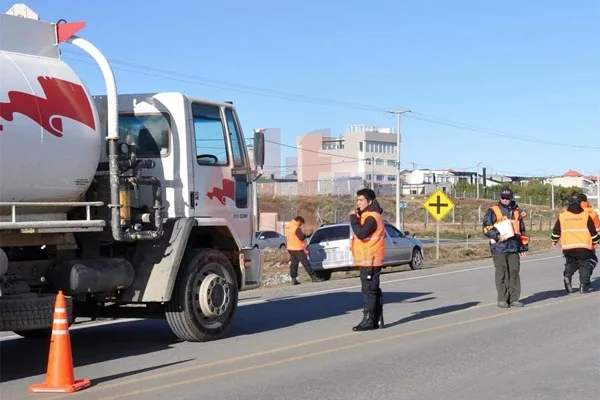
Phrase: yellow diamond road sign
pixel 438 205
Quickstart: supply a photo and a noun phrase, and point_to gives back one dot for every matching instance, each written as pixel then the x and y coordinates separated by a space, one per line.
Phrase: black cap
pixel 574 199
pixel 506 193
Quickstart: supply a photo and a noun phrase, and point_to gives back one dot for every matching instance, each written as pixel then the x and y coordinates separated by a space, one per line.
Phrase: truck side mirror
pixel 259 148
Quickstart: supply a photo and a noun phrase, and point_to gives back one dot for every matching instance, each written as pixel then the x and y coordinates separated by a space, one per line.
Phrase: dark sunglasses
pixel 505 197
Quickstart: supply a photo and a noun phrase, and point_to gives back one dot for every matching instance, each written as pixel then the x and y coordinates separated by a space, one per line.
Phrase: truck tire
pixel 31 317
pixel 204 297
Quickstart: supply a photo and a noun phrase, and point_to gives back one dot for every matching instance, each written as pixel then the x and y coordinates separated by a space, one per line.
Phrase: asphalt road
pixel 445 339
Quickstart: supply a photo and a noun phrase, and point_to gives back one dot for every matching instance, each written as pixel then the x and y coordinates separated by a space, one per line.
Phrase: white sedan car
pixel 329 249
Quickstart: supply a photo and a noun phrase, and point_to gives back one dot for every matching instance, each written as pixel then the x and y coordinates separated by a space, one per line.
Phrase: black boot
pixel 568 286
pixel 367 322
pixel 378 318
pixel 295 281
pixel 585 288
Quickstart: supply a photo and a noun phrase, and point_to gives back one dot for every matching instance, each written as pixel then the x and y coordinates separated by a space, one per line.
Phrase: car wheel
pixel 416 261
pixel 282 247
pixel 323 274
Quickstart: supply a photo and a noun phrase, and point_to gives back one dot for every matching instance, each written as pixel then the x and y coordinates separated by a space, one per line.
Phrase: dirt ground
pixel 276 269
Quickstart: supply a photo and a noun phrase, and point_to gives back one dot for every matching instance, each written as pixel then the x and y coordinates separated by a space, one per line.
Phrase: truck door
pixel 221 181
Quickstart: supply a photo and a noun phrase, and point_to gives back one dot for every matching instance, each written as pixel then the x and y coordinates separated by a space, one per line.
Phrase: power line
pixel 485 131
pixel 220 84
pixel 202 81
pixel 314 151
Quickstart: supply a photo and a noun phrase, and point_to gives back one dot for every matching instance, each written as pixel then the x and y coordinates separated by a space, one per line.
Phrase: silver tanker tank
pixel 50 138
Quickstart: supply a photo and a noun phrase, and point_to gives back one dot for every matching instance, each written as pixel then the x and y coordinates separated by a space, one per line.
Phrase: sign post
pixel 402 206
pixel 438 205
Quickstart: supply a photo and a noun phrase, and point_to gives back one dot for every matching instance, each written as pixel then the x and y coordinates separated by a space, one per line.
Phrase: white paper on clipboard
pixel 505 228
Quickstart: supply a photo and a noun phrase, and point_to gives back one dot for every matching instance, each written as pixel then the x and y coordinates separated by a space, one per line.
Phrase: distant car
pixel 269 239
pixel 329 249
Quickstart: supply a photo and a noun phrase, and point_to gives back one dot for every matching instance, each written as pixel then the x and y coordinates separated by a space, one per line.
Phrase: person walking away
pixel 368 251
pixel 587 206
pixel 297 249
pixel 578 236
pixel 507 249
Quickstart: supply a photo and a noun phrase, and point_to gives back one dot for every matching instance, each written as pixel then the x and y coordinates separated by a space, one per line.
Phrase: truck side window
pixel 236 141
pixel 241 182
pixel 210 137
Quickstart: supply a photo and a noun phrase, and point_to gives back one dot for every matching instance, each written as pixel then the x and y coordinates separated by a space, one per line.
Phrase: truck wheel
pixel 204 298
pixel 31 317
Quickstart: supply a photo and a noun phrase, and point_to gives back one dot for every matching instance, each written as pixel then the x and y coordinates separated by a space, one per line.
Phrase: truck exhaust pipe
pixel 114 163
pixel 3 263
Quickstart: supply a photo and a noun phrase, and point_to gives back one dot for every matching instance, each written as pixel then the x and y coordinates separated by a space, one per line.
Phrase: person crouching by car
pixel 296 247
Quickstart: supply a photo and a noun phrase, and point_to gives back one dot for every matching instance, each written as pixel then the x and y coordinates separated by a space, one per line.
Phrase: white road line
pixel 316 292
pixel 76 327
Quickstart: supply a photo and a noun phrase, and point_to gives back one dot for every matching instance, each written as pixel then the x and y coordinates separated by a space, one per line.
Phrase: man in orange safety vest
pixel 297 249
pixel 578 236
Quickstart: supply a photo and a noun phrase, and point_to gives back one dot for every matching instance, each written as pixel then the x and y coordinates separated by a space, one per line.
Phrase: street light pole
pixel 398 142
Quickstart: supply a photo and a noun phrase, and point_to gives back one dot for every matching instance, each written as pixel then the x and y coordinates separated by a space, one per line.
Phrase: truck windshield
pixel 149 133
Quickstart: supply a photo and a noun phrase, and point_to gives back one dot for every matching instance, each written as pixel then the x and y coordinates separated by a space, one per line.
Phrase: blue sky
pixel 517 68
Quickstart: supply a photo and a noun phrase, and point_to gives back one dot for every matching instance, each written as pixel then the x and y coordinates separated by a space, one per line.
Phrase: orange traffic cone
pixel 60 377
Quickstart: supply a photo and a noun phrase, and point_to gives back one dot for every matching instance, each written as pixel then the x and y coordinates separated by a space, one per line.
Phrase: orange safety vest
pixel 586 206
pixel 293 242
pixel 516 218
pixel 574 233
pixel 370 252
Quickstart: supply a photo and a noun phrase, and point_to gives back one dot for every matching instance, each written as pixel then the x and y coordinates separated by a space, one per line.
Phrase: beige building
pixel 362 151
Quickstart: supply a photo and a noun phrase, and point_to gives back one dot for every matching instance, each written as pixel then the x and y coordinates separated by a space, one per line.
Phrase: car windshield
pixel 257 234
pixel 330 233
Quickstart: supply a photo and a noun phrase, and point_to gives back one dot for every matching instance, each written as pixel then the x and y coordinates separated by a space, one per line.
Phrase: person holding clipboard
pixel 504 227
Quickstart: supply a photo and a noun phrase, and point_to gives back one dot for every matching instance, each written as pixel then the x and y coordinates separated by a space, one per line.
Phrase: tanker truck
pixel 133 205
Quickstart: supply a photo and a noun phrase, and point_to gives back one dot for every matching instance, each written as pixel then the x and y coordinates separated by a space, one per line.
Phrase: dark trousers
pixel 507 276
pixel 298 256
pixel 585 267
pixel 369 280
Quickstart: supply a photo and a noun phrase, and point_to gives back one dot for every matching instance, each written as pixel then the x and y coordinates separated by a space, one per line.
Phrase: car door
pixel 272 238
pixel 391 249
pixel 221 184
pixel 402 249
pixel 330 247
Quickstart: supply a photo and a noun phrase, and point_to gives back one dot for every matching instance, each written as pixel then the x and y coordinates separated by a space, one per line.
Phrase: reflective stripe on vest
pixel 574 233
pixel 370 252
pixel 293 242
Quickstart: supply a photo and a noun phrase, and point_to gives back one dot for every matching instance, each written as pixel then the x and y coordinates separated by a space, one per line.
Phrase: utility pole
pixel 398 113
pixel 552 185
pixel 478 178
pixel 373 172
